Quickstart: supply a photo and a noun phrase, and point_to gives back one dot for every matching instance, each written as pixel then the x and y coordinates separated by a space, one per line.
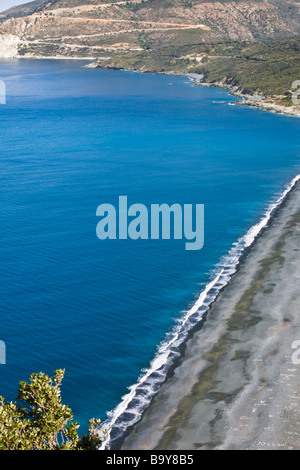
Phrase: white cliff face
pixel 9 45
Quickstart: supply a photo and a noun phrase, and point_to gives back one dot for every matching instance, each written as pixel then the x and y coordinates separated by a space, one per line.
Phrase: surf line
pixel 115 426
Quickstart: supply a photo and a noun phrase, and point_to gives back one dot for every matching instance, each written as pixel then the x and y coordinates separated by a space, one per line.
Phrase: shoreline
pixel 216 281
pixel 246 100
pixel 215 284
pixel 252 101
pixel 235 386
pixel 134 405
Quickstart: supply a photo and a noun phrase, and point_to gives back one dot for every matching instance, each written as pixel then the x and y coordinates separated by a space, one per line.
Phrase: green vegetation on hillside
pixel 268 68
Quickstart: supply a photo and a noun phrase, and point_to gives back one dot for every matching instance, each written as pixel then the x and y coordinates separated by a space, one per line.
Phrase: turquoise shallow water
pixel 73 138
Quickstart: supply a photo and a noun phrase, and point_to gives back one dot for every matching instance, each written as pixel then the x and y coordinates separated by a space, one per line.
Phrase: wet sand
pixel 236 386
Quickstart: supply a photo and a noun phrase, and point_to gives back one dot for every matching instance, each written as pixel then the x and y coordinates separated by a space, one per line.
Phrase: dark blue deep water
pixel 72 138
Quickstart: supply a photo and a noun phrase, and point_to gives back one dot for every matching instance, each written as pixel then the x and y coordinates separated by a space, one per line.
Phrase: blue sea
pixel 113 313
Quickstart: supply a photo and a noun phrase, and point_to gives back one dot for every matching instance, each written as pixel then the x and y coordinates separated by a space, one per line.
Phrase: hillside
pixel 253 45
pixel 89 28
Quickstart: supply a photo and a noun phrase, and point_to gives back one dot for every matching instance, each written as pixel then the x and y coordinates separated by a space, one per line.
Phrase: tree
pixel 39 421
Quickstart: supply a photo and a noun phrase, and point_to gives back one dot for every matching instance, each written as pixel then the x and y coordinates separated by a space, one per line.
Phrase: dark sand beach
pixel 236 386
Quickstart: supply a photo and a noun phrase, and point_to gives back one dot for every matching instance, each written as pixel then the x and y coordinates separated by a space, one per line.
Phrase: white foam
pixel 128 413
